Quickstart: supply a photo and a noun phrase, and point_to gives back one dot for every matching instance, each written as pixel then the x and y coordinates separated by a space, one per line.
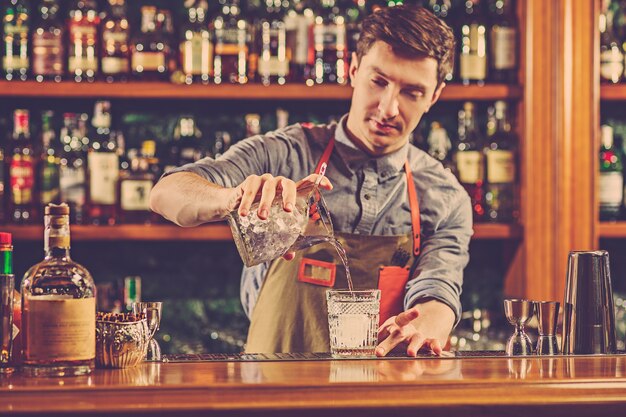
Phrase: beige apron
pixel 290 314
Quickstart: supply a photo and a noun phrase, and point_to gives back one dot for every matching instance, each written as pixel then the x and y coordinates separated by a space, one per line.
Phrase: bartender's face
pixel 391 93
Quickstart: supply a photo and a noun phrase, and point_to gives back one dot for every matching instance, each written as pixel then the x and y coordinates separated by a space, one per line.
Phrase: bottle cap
pixel 57 209
pixel 5 238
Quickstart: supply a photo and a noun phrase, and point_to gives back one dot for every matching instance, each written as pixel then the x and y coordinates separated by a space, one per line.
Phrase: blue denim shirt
pixel 369 197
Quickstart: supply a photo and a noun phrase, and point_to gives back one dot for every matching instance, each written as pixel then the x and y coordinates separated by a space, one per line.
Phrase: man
pixel 405 222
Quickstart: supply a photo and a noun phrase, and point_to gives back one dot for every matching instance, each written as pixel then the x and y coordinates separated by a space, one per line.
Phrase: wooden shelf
pixel 214 232
pixel 613 92
pixel 612 230
pixel 162 90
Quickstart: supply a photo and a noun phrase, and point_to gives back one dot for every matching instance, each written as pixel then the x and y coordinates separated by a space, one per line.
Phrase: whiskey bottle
pixel 328 57
pixel 298 20
pixel 16 54
pixel 103 165
pixel 611 184
pixel 134 187
pixel 165 32
pixel 273 63
pixel 8 349
pixel 49 164
pixel 501 202
pixel 611 54
pixel 73 170
pixel 196 47
pixel 83 40
pixel 48 43
pixel 469 160
pixel 231 44
pixel 186 143
pixel 503 43
pixel 21 171
pixel 149 53
pixel 473 53
pixel 59 306
pixel 115 57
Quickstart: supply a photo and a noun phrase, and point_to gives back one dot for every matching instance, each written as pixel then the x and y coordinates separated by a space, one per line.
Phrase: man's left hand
pixel 423 326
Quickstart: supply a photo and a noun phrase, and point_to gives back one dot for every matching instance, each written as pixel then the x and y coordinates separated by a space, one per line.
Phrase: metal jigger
pixel 518 313
pixel 588 314
pixel 548 314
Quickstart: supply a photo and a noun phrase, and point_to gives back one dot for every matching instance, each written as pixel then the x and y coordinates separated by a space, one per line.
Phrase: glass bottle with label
pixel 298 19
pixel 22 171
pixel 503 43
pixel 196 47
pixel 82 30
pixel 501 202
pixel 103 165
pixel 15 51
pixel 231 44
pixel 148 50
pixel 134 187
pixel 73 169
pixel 59 306
pixel 48 43
pixel 328 58
pixel 186 144
pixel 273 63
pixel 439 145
pixel 6 270
pixel 611 54
pixel 49 163
pixel 473 52
pixel 611 191
pixel 115 57
pixel 469 160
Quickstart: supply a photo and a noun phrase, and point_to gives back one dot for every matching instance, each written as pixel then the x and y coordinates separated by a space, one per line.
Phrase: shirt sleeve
pixel 281 152
pixel 444 254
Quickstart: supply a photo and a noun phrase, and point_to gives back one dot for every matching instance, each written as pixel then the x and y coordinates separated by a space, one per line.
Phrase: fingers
pixel 417 341
pixel 264 188
pixel 250 188
pixel 395 337
pixel 406 317
pixel 289 193
pixel 311 179
pixel 268 192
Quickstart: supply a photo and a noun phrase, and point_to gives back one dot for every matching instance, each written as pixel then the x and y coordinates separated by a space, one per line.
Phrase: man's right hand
pixel 264 188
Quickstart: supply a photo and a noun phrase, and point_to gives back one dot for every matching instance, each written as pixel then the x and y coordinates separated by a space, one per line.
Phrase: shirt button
pixel 367 196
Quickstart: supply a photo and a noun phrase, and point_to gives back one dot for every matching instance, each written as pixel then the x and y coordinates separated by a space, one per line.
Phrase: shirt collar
pixel 387 166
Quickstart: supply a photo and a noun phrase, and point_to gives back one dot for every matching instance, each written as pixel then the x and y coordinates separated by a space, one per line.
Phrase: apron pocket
pixel 391 283
pixel 317 272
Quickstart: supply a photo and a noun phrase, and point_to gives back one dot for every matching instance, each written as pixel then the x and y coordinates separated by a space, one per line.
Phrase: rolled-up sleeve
pixel 444 254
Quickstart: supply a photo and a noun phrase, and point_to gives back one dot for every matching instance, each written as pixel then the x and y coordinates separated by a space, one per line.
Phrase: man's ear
pixel 354 66
pixel 436 95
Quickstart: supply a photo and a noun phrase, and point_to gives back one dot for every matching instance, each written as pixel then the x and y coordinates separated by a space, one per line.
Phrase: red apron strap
pixel 415 209
pixel 326 155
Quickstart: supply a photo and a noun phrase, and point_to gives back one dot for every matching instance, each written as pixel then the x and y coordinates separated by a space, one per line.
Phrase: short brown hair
pixel 412 32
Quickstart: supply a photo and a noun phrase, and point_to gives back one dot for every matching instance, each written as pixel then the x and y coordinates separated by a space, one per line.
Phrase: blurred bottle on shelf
pixel 167 35
pixel 134 186
pixel 469 159
pixel 132 292
pixel 327 57
pixel 473 43
pixel 48 170
pixel 503 42
pixel 103 167
pixel 149 54
pixel 221 143
pixel 611 192
pixel 21 171
pixel 115 53
pixel 185 145
pixel 83 46
pixel 231 44
pixel 15 42
pixel 501 196
pixel 273 62
pixel 439 145
pixel 298 19
pixel 196 45
pixel 73 169
pixel 48 42
pixel 611 53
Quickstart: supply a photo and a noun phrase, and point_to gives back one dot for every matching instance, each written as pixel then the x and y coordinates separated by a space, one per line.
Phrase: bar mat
pixel 326 356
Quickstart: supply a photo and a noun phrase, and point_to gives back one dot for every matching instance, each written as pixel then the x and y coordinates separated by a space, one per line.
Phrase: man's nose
pixel 388 104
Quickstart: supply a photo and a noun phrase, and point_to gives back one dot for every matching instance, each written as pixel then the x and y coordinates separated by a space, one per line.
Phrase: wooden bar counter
pixel 537 386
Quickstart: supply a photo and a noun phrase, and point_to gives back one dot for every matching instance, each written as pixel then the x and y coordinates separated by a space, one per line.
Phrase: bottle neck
pixel 6 260
pixel 57 236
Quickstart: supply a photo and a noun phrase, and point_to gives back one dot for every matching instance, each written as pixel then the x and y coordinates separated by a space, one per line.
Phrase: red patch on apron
pixel 317 272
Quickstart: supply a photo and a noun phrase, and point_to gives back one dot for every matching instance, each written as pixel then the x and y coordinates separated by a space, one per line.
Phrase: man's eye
pixel 379 82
